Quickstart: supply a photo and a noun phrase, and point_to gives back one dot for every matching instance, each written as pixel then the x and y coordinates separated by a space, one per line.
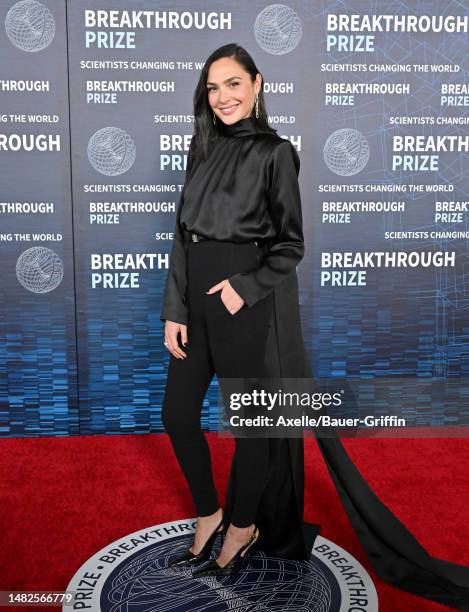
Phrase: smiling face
pixel 230 91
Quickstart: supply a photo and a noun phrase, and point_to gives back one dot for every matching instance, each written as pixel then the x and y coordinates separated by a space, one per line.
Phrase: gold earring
pixel 257 106
pixel 214 118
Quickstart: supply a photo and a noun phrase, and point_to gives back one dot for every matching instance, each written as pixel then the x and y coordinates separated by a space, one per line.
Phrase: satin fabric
pixel 247 189
pixel 249 183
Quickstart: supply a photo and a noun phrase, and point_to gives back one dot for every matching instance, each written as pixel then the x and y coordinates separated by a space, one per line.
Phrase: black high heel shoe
pixel 212 568
pixel 189 557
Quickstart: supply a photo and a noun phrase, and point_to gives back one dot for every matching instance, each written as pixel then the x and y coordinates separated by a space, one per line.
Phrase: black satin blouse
pixel 247 189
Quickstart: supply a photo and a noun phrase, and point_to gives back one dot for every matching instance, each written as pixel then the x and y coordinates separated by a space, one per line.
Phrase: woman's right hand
pixel 171 331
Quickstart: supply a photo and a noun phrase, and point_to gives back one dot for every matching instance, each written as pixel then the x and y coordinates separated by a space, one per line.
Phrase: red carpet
pixel 65 498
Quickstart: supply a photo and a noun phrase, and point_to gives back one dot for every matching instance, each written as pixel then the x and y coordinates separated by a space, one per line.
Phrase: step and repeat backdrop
pixel 95 124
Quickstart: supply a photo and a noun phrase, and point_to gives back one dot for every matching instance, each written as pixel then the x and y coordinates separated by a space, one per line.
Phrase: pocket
pixel 225 309
pixel 248 327
pixel 216 307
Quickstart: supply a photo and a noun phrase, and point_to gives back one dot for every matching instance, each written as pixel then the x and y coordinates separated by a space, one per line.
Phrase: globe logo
pixel 346 152
pixel 39 270
pixel 277 29
pixel 30 25
pixel 138 578
pixel 304 586
pixel 111 151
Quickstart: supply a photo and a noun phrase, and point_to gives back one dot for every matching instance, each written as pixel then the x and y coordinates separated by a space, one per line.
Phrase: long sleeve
pixel 174 307
pixel 284 207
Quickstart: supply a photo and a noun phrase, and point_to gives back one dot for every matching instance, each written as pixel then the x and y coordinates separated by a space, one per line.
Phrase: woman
pixel 232 296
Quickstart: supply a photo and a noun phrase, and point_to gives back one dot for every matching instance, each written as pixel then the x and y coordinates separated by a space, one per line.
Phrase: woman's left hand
pixel 232 300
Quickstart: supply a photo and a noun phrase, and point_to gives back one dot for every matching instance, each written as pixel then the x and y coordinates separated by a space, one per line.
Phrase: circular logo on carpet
pixel 132 574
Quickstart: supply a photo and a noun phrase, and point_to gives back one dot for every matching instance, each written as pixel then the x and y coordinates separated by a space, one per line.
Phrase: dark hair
pixel 205 130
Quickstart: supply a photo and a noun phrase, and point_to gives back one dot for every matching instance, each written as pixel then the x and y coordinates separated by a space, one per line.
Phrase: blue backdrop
pixel 96 122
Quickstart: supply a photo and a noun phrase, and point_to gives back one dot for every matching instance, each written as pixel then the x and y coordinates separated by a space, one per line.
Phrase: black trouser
pixel 226 345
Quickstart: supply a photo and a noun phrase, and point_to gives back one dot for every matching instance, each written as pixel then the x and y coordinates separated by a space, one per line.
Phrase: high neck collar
pixel 243 127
